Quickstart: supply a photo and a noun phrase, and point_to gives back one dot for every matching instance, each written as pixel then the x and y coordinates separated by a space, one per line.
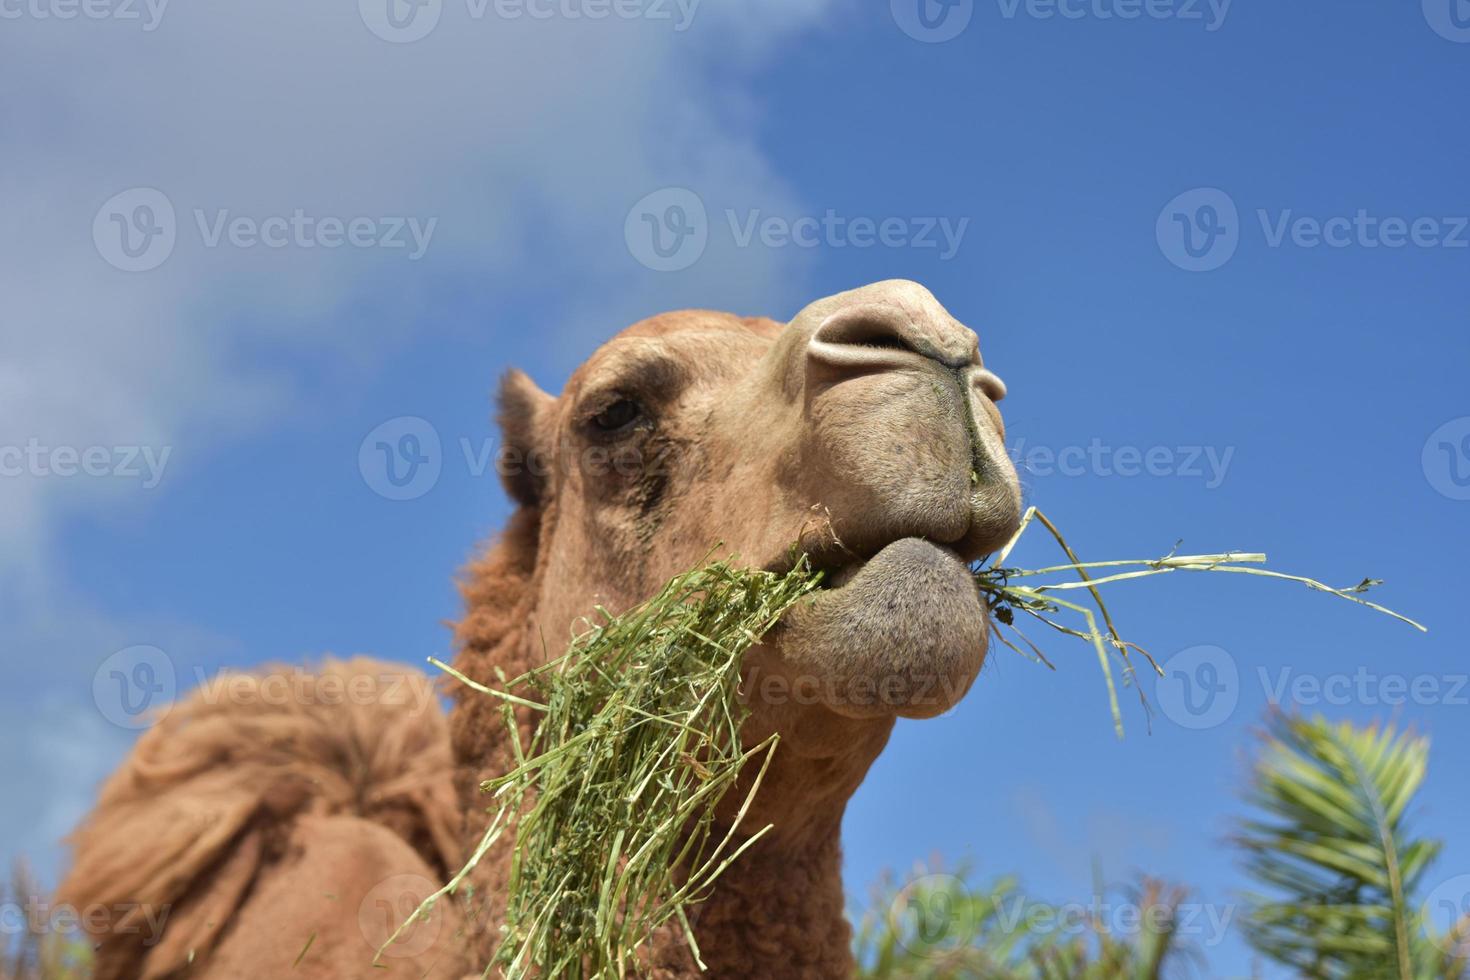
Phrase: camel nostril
pixel 880 337
pixel 865 332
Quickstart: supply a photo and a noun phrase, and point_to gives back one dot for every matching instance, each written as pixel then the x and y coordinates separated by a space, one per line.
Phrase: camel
pixel 281 837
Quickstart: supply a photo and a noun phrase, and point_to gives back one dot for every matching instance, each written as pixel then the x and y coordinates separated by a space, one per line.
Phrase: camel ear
pixel 524 460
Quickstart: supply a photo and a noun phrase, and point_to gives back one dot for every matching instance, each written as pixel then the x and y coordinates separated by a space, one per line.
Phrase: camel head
pixel 866 430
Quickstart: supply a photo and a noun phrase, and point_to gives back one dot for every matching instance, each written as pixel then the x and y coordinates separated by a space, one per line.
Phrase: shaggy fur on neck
pixel 776 913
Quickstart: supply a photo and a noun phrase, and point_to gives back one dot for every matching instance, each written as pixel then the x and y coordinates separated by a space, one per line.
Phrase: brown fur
pixel 866 428
pixel 206 823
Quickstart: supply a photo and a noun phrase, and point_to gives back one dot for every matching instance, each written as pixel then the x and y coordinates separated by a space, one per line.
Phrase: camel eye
pixel 619 415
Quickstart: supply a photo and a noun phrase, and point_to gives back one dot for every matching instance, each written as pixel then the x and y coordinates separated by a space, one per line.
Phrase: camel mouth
pixel 903 632
pixel 838 562
pixel 839 565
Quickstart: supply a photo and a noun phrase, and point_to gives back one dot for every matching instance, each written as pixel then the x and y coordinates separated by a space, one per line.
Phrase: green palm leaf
pixel 1333 847
pixel 941 927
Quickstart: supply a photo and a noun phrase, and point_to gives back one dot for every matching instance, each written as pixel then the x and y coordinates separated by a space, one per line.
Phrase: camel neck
pixel 778 912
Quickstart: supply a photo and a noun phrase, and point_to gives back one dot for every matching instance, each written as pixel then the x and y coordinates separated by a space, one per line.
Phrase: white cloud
pixel 526 139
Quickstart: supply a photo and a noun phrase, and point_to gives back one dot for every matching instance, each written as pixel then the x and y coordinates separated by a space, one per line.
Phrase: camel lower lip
pixel 907 623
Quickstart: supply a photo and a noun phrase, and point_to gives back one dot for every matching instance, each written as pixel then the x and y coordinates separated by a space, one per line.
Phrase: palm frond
pixel 941 927
pixel 1332 846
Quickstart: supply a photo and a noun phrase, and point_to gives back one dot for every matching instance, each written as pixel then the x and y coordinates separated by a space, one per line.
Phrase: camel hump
pixel 321 799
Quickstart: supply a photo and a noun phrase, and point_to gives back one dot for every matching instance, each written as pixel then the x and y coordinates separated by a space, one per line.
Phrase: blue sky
pixel 1299 380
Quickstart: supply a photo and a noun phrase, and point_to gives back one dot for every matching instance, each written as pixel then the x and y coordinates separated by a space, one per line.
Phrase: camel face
pixel 866 428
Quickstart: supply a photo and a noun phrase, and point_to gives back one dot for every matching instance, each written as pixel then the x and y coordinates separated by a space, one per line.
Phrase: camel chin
pixel 902 633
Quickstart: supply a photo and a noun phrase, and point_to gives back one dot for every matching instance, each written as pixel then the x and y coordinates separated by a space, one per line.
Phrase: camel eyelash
pixel 614 414
pixel 601 402
pixel 621 414
pixel 648 381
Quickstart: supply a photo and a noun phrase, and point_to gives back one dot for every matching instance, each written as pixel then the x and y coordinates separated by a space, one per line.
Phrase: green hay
pixel 612 804
pixel 998 585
